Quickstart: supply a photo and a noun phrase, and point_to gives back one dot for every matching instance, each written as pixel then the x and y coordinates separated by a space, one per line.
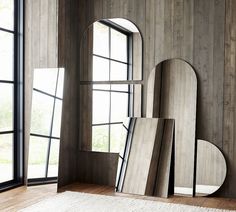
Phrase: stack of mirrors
pixel 160 154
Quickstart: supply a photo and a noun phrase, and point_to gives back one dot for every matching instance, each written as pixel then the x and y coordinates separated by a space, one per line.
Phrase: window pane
pixel 119 71
pixel 6 107
pixel 7 14
pixel 101 87
pixel 100 39
pixel 100 138
pixel 120 88
pixel 119 106
pixel 45 79
pixel 6 55
pixel 6 157
pixel 100 69
pixel 42 106
pixel 57 119
pixel 60 83
pixel 53 158
pixel 117 138
pixel 118 46
pixel 100 107
pixel 37 157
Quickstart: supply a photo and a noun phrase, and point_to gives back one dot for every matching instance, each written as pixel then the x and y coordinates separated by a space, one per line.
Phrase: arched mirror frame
pixel 87 88
pixel 223 170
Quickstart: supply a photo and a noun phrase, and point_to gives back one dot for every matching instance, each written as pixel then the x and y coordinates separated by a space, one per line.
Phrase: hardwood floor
pixel 22 197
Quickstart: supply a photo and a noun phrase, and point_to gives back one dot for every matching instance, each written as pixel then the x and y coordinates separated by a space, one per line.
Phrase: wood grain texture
pixel 97 167
pixel 69 54
pixel 229 132
pixel 208 61
pixel 86 113
pixel 41 51
pixel 211 167
pixel 197 31
pixel 172 93
pixel 149 160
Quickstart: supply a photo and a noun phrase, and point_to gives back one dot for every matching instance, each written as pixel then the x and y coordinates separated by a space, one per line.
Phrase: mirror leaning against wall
pixel 110 84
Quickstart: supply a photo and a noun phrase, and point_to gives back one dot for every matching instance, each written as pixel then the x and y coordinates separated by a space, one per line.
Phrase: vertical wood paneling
pixel 208 30
pixel 52 34
pixel 229 132
pixel 178 28
pixel 188 19
pixel 86 111
pixel 106 8
pixel 43 31
pixel 70 114
pixel 149 43
pixel 97 167
pixel 159 31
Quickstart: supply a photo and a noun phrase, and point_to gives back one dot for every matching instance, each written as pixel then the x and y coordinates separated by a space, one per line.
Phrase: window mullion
pixel 109 126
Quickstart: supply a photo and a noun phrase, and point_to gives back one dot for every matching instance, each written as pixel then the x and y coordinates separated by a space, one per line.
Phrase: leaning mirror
pixel 172 93
pixel 110 84
pixel 147 159
pixel 211 168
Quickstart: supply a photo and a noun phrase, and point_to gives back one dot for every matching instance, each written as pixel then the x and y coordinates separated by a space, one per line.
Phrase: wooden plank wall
pixel 69 35
pixel 229 122
pixel 41 49
pixel 97 168
pixel 189 29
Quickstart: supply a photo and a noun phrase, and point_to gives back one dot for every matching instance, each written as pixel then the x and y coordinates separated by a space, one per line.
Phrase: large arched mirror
pixel 172 93
pixel 110 83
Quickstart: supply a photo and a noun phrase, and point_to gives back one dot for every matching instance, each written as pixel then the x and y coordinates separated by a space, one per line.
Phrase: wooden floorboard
pixel 22 197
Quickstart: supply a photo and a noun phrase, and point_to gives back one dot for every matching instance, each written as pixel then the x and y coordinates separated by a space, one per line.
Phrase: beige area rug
pixel 75 201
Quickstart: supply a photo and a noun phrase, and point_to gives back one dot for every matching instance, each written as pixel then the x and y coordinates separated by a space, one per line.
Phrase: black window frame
pixel 129 36
pixel 18 97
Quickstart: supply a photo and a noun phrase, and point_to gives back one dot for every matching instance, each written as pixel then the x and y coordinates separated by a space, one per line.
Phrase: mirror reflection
pixel 110 82
pixel 103 110
pixel 211 168
pixel 111 50
pixel 172 93
pixel 147 157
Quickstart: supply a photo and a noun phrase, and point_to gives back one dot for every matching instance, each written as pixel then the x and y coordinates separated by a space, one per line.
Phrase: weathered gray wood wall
pixel 197 31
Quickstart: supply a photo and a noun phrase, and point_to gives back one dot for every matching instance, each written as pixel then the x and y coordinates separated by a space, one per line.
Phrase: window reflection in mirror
pixel 110 78
pixel 45 124
pixel 111 50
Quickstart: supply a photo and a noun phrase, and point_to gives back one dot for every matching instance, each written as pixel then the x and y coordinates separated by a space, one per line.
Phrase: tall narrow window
pixel 111 102
pixel 45 124
pixel 11 93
